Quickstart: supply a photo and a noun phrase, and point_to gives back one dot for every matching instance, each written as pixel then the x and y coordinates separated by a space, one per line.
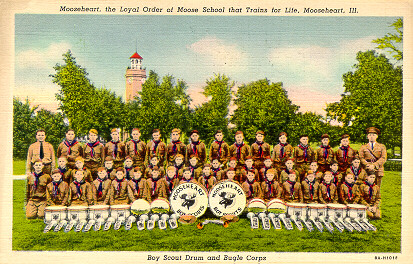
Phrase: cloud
pixel 347 51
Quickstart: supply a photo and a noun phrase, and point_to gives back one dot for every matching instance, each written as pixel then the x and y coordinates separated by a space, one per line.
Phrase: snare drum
pixel 256 206
pixel 54 213
pixel 77 213
pixel 97 212
pixel 120 211
pixel 356 211
pixel 276 206
pixel 140 207
pixel 297 209
pixel 316 210
pixel 160 206
pixel 337 210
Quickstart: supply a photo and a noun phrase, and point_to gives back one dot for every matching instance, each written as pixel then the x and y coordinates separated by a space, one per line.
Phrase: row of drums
pixel 323 216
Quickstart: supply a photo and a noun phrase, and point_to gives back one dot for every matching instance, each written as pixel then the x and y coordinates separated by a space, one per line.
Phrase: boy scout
pixel 155 148
pixel 327 191
pixel 94 153
pixel 373 155
pixel 138 187
pixel 80 191
pixel 154 162
pixel 370 197
pixel 217 170
pixel 310 188
pixel 36 191
pixel 345 154
pixel 158 188
pixel 314 169
pixel 230 175
pixel 349 193
pixel 109 168
pixel 249 166
pixel 64 170
pixel 219 149
pixel 179 165
pixel 57 191
pixel 303 156
pixel 251 187
pixel 292 190
pixel 118 193
pixel 172 178
pixel 128 166
pixel 325 154
pixel 232 163
pixel 187 176
pixel 40 150
pixel 101 187
pixel 70 148
pixel 270 187
pixel 136 149
pixel 360 175
pixel 281 152
pixel 197 148
pixel 116 149
pixel 239 149
pixel 289 167
pixel 206 179
pixel 337 176
pixel 175 147
pixel 80 165
pixel 260 150
pixel 267 166
pixel 195 171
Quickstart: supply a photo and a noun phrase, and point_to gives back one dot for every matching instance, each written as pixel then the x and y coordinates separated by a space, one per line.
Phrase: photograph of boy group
pixel 121 172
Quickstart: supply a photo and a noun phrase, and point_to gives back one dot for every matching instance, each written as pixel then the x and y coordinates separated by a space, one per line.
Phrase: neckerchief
pixel 192 170
pixel 36 179
pixel 206 181
pixel 155 146
pixel 78 189
pixel 345 152
pixel 175 147
pixel 292 184
pixel 118 186
pixel 270 186
pixel 127 170
pixel 335 178
pixel 247 169
pixel 325 151
pixel 155 183
pixel 370 188
pixel 219 147
pixel 187 180
pixel 238 149
pixel 91 146
pixel 251 189
pixel 265 170
pixel 311 185
pixel 115 151
pixel 69 145
pixel 151 166
pixel 260 149
pixel 350 190
pixel 137 190
pixel 215 171
pixel 170 183
pixel 178 167
pixel 109 171
pixel 282 151
pixel 41 150
pixel 62 170
pixel 305 149
pixel 100 188
pixel 328 190
pixel 194 149
pixel 356 172
pixel 135 143
pixel 56 187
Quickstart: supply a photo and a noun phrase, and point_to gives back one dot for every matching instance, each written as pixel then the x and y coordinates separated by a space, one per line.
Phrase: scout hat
pixel 373 130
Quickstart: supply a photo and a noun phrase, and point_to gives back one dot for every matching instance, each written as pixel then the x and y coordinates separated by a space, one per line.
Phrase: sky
pixel 308 55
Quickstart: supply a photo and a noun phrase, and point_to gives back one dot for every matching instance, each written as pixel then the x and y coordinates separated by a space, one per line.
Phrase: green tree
pixel 262 105
pixel 213 114
pixel 53 124
pixel 372 97
pixel 24 127
pixel 393 42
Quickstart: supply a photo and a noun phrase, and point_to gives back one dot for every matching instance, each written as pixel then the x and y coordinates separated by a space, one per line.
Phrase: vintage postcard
pixel 255 131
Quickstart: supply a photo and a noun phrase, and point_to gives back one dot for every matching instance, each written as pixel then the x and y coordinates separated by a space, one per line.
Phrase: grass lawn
pixel 19 167
pixel 28 235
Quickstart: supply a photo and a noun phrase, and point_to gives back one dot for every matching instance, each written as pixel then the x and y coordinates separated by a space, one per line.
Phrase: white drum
pixel 189 199
pixel 316 210
pixel 97 212
pixel 356 211
pixel 276 206
pixel 160 206
pixel 256 206
pixel 337 210
pixel 77 212
pixel 120 211
pixel 297 209
pixel 55 213
pixel 140 207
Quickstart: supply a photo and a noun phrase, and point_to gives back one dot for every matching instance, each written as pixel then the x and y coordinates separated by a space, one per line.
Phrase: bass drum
pixel 189 199
pixel 227 198
pixel 140 207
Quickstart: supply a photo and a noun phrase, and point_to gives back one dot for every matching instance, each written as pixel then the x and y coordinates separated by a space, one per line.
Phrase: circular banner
pixel 227 198
pixel 189 199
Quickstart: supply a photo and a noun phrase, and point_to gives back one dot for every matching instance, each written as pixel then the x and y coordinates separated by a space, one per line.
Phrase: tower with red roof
pixel 135 77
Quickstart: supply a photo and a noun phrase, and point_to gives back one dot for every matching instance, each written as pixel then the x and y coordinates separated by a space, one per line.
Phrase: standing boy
pixel 219 149
pixel 239 149
pixel 94 153
pixel 260 150
pixel 136 149
pixel 345 154
pixel 174 147
pixel 281 152
pixel 156 148
pixel 70 148
pixel 325 154
pixel 40 150
pixel 116 149
pixel 303 156
pixel 197 148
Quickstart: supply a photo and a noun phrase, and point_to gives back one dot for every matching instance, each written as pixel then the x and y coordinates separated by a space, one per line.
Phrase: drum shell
pixel 297 209
pixel 316 210
pixel 336 210
pixel 97 212
pixel 55 213
pixel 276 204
pixel 77 213
pixel 120 211
pixel 356 211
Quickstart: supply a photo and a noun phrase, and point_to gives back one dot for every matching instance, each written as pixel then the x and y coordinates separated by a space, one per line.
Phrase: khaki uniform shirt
pixel 376 156
pixel 139 154
pixel 200 153
pixel 38 193
pixel 159 152
pixel 75 151
pixel 104 198
pixel 33 154
pixel 323 194
pixel 62 197
pixel 214 152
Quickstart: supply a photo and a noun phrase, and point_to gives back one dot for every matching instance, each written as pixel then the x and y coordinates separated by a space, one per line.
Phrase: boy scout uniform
pixel 208 183
pixel 57 193
pixel 158 188
pixel 138 189
pixel 218 173
pixel 71 151
pixel 240 153
pixel 137 151
pixel 292 195
pixel 280 154
pixel 85 198
pixel 360 175
pixel 324 157
pixel 349 194
pixel 345 157
pixel 179 170
pixel 88 175
pixel 173 149
pixel 284 175
pixel 111 173
pixel 243 173
pixel 370 196
pixel 263 174
pixel 271 190
pixel 258 152
pixel 101 196
pixel 148 171
pixel 337 178
pixel 66 174
pixel 195 171
pixel 310 191
pixel 171 184
pixel 158 150
pixel 117 151
pixel 327 197
pixel 302 161
pixel 36 195
pixel 220 151
pixel 252 190
pixel 199 151
pixel 118 192
pixel 94 155
pixel 43 151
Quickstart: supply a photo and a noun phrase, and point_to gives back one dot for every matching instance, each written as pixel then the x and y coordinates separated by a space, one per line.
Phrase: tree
pixel 262 105
pixel 393 42
pixel 53 124
pixel 372 97
pixel 213 114
pixel 24 127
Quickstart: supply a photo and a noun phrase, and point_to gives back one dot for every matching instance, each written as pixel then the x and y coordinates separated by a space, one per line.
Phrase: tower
pixel 135 77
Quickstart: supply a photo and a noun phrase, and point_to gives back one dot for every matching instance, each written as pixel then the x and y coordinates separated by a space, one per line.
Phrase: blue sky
pixel 308 54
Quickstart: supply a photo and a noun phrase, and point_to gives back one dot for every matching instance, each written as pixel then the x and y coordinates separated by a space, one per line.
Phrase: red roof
pixel 136 56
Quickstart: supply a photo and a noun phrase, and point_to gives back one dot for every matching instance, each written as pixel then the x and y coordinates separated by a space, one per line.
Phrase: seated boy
pixel 217 170
pixel 337 176
pixel 80 191
pixel 232 163
pixel 230 175
pixel 57 191
pixel 138 187
pixel 187 177
pixel 289 167
pixel 318 174
pixel 251 187
pixel 158 188
pixel 270 187
pixel 109 168
pixel 360 175
pixel 370 197
pixel 80 165
pixel 64 170
pixel 310 188
pixel 179 165
pixel 101 187
pixel 348 191
pixel 266 166
pixel 36 191
pixel 118 193
pixel 128 166
pixel 249 165
pixel 206 179
pixel 153 162
pixel 193 167
pixel 172 178
pixel 292 189
pixel 327 191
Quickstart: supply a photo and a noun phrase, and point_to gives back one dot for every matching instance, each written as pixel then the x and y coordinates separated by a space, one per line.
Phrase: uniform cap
pixel 373 130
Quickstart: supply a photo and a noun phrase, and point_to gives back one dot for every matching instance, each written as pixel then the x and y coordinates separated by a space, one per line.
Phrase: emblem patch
pixel 189 199
pixel 227 198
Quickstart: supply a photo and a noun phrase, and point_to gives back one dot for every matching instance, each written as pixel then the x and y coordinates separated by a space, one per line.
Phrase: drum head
pixel 227 198
pixel 190 199
pixel 256 206
pixel 296 205
pixel 336 206
pixel 160 206
pixel 77 208
pixel 55 208
pixel 99 207
pixel 317 206
pixel 140 206
pixel 276 206
pixel 120 206
pixel 357 206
